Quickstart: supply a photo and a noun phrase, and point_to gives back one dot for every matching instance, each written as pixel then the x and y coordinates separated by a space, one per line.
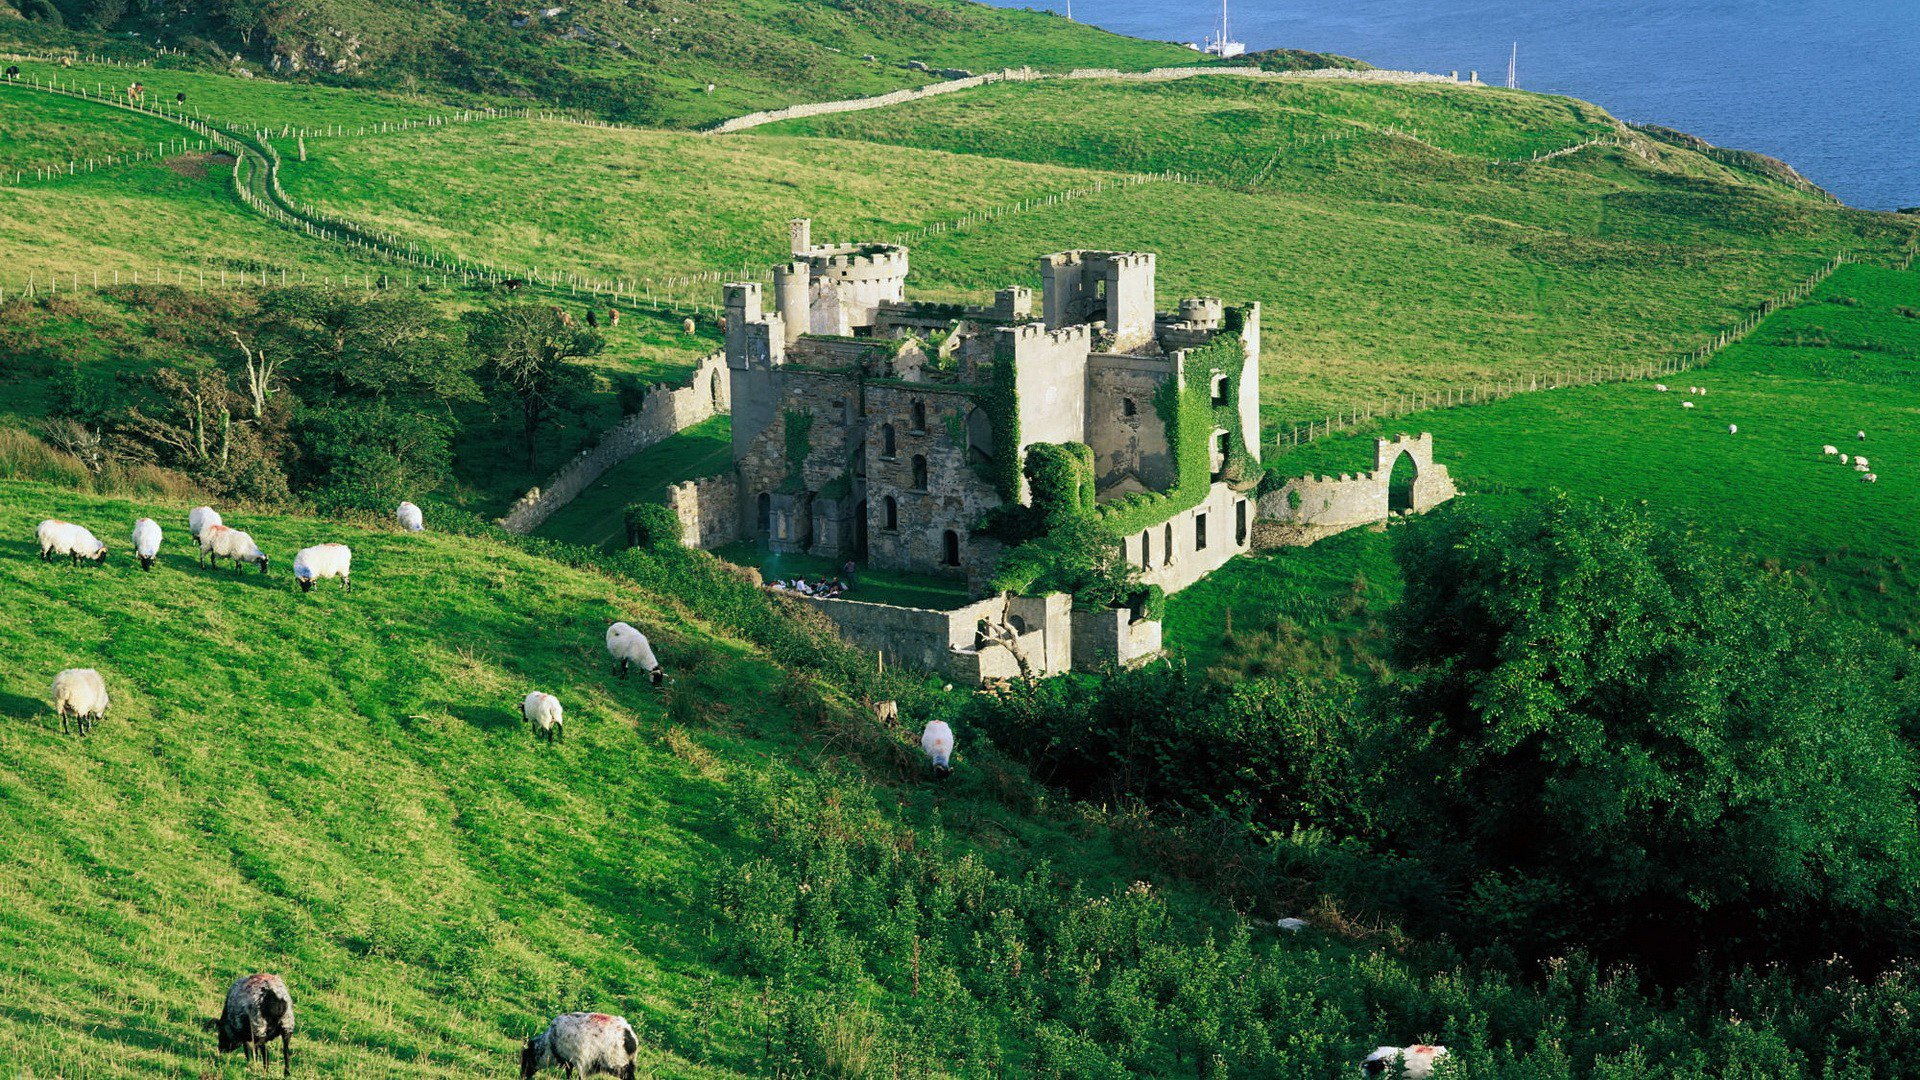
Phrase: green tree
pixel 528 351
pixel 1611 736
pixel 378 346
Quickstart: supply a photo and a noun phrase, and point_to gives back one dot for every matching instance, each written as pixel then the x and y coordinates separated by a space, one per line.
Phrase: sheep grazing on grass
pixel 687 326
pixel 1686 404
pixel 1413 1062
pixel 409 517
pixel 59 538
pixel 1660 387
pixel 628 646
pixel 1733 429
pixel 583 1044
pixel 543 712
pixel 1829 451
pixel 1860 466
pixel 322 561
pixel 146 542
pixel 1291 925
pixel 258 1011
pixel 1844 459
pixel 887 713
pixel 1861 435
pixel 80 694
pixel 1871 478
pixel 937 741
pixel 199 518
pixel 221 542
pixel 1860 461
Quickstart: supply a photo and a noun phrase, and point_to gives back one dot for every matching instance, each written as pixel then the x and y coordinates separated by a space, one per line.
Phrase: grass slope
pixel 42 129
pixel 596 518
pixel 1811 375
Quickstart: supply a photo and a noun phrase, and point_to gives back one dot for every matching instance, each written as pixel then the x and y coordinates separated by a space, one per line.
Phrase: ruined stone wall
pixel 798 517
pixel 664 412
pixel 1229 518
pixel 1050 379
pixel 1308 508
pixel 708 509
pixel 954 497
pixel 1125 430
pixel 1113 636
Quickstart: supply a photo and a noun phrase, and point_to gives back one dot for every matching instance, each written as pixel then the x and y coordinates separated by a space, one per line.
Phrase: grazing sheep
pixel 544 713
pixel 221 542
pixel 1859 460
pixel 1660 387
pixel 80 693
pixel 1415 1062
pixel 201 517
pixel 1861 435
pixel 687 326
pixel 613 316
pixel 1843 459
pixel 887 713
pixel 1733 429
pixel 1291 926
pixel 584 1044
pixel 1829 451
pixel 409 517
pixel 258 1010
pixel 59 538
pixel 1686 404
pixel 628 646
pixel 937 741
pixel 1859 466
pixel 1871 478
pixel 322 561
pixel 146 542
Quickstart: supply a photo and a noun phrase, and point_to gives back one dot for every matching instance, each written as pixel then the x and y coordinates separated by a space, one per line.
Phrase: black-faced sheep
pixel 937 741
pixel 80 694
pixel 146 542
pixel 58 538
pixel 221 542
pixel 1414 1062
pixel 199 518
pixel 584 1044
pixel 258 1010
pixel 628 646
pixel 543 712
pixel 409 517
pixel 322 561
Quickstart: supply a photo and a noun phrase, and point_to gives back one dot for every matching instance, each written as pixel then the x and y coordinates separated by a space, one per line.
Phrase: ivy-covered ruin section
pixel 1191 418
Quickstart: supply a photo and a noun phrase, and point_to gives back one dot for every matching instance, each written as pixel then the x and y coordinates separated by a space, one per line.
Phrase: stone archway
pixel 1400 484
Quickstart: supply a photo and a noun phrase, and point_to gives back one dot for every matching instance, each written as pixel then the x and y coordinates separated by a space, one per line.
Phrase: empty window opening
pixel 950 544
pixel 920 472
pixel 1199 532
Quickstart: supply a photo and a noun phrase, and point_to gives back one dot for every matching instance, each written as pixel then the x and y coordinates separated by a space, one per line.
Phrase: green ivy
pixel 1190 417
pixel 799 430
pixel 1002 403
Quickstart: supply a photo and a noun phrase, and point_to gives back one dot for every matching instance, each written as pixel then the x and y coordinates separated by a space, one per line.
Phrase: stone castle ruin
pixel 1405 480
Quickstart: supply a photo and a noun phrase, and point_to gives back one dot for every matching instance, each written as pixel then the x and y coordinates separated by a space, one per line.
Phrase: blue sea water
pixel 1831 86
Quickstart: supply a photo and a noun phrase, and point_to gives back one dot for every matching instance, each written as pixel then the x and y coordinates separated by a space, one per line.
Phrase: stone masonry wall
pixel 1308 508
pixel 664 413
pixel 709 510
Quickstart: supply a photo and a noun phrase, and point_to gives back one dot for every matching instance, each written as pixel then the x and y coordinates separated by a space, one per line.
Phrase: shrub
pixel 652 526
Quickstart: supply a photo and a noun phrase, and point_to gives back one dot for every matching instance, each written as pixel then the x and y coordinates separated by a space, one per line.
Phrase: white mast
pixel 1513 64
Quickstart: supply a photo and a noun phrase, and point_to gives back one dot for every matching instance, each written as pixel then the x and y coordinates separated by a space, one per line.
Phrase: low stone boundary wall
pixel 1310 508
pixel 662 414
pixel 900 97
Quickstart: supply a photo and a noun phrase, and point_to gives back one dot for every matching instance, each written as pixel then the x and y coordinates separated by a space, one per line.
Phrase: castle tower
pixel 790 298
pixel 1113 287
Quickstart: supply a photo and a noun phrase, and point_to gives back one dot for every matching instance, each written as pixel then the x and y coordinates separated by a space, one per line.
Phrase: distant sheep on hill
pixel 1660 387
pixel 1686 404
pixel 585 1045
pixel 322 561
pixel 1829 451
pixel 628 646
pixel 544 713
pixel 59 538
pixel 1859 461
pixel 1733 429
pixel 258 1011
pixel 220 542
pixel 146 542
pixel 1871 478
pixel 409 517
pixel 1861 435
pixel 201 517
pixel 80 694
pixel 1859 466
pixel 937 741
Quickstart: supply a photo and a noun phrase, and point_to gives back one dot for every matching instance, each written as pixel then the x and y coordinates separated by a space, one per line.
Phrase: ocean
pixel 1830 86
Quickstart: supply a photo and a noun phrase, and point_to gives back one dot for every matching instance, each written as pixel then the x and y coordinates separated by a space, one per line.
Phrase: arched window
pixel 920 472
pixel 979 436
pixel 886 440
pixel 950 544
pixel 893 513
pixel 1128 408
pixel 919 416
pixel 765 517
pixel 1146 549
pixel 1166 546
pixel 713 389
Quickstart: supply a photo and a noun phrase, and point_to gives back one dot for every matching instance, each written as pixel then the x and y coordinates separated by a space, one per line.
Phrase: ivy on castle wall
pixel 1191 417
pixel 799 434
pixel 1002 403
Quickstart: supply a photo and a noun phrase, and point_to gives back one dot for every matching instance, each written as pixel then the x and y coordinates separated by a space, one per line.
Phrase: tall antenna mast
pixel 1513 65
pixel 1223 23
pixel 1069 10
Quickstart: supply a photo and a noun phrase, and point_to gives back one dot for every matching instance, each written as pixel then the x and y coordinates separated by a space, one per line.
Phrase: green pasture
pixel 596 517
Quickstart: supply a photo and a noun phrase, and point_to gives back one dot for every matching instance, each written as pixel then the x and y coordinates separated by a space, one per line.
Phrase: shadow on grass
pixel 486 717
pixel 26 708
pixel 146 1038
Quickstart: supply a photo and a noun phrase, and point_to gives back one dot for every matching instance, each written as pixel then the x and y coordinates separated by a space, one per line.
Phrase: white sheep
pixel 258 1010
pixel 937 741
pixel 224 542
pixel 584 1044
pixel 1660 387
pixel 628 646
pixel 1843 459
pixel 59 538
pixel 544 713
pixel 1733 429
pixel 146 542
pixel 1871 478
pixel 886 713
pixel 1291 925
pixel 199 518
pixel 409 517
pixel 1416 1062
pixel 1861 435
pixel 1829 451
pixel 80 694
pixel 1860 466
pixel 1686 404
pixel 1859 460
pixel 322 561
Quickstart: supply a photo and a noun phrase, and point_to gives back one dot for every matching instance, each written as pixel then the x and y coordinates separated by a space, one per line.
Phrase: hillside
pixel 647 63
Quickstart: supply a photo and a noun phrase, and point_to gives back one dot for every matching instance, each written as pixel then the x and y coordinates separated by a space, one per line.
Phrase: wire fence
pixel 1501 389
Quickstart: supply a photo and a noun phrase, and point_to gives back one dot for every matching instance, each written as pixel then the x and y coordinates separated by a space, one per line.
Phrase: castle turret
pixel 790 287
pixel 1112 287
pixel 800 233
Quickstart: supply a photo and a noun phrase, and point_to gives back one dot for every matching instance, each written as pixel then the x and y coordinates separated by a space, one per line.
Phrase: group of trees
pixel 345 398
pixel 1599 735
